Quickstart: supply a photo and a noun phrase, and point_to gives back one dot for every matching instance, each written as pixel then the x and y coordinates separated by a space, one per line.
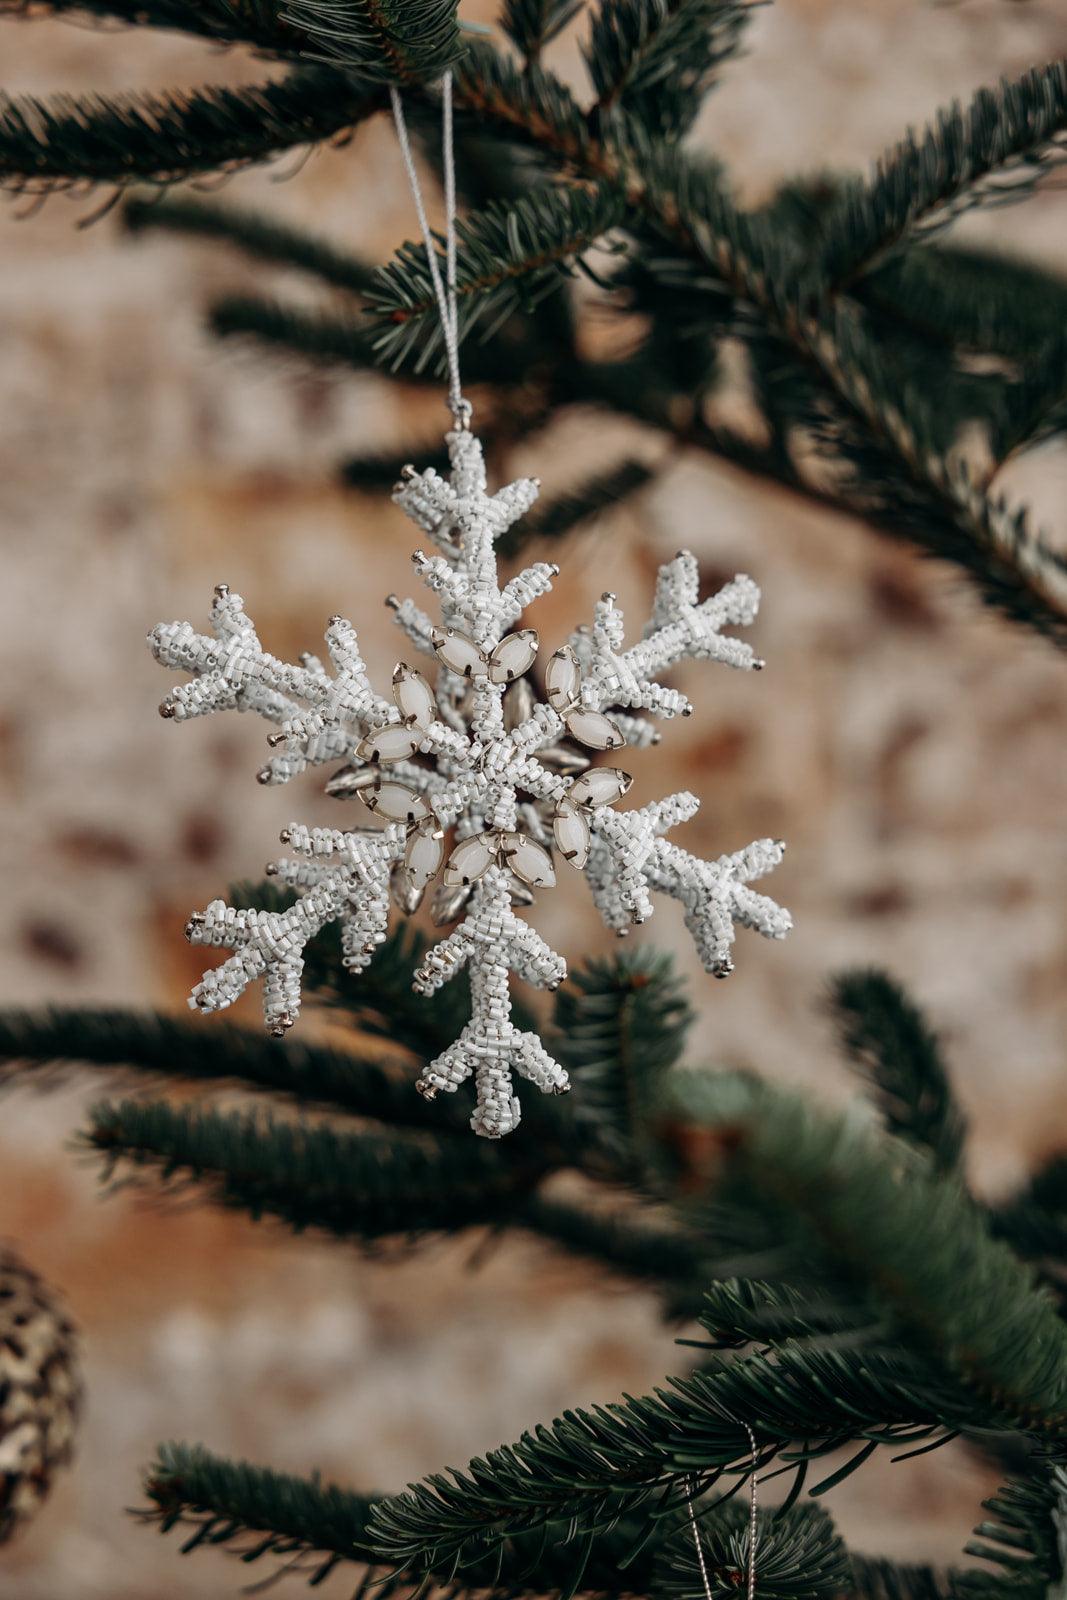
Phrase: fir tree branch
pixel 381 472
pixel 888 1042
pixel 667 1258
pixel 907 1237
pixel 258 23
pixel 995 150
pixel 39 1047
pixel 360 1186
pixel 800 1556
pixel 877 1579
pixel 533 24
pixel 253 233
pixel 509 257
pixel 394 41
pixel 657 59
pixel 50 144
pixel 1020 1538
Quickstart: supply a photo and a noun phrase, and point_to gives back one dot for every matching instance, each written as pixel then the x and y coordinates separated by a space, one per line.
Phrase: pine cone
pixel 40 1391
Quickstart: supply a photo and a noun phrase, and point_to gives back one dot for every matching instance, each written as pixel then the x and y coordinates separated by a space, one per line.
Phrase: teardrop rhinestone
pixel 448 902
pixel 460 654
pixel 513 656
pixel 563 678
pixel 413 696
pixel 424 854
pixel 394 743
pixel 564 759
pixel 471 859
pixel 407 895
pixel 396 802
pixel 529 861
pixel 601 786
pixel 594 729
pixel 347 781
pixel 519 703
pixel 571 833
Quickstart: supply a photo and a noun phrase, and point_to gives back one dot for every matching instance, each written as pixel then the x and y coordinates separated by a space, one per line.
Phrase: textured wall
pixel 909 747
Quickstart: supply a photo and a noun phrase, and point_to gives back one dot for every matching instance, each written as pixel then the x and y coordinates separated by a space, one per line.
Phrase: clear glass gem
pixel 348 781
pixel 460 654
pixel 396 802
pixel 563 677
pixel 601 786
pixel 571 833
pixel 528 860
pixel 414 698
pixel 448 902
pixel 594 729
pixel 513 656
pixel 471 859
pixel 564 759
pixel 393 743
pixel 424 854
pixel 407 895
pixel 519 703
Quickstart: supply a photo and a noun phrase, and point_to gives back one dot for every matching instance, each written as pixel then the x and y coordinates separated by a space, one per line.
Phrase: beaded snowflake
pixel 476 753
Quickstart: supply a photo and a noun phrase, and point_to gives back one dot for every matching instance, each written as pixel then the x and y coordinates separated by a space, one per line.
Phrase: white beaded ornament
pixel 474 752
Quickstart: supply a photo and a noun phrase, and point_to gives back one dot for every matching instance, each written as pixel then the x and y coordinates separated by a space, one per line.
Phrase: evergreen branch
pixel 1020 1538
pixel 619 1027
pixel 553 519
pixel 50 144
pixel 318 337
pixel 533 24
pixel 256 235
pixel 994 150
pixel 877 1579
pixel 888 1042
pixel 907 1237
pixel 1035 1222
pixel 256 1512
pixel 394 41
pixel 657 59
pixel 509 257
pixel 667 1258
pixel 800 1556
pixel 251 22
pixel 38 1046
pixel 365 1186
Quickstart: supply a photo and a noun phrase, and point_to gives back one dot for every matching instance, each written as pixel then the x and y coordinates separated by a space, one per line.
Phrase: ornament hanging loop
pixel 444 290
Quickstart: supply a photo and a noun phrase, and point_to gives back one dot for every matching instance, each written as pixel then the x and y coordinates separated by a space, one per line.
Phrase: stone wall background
pixel 909 746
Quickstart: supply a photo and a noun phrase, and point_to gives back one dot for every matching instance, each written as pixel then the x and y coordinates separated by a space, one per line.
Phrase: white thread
pixel 444 292
pixel 752 1526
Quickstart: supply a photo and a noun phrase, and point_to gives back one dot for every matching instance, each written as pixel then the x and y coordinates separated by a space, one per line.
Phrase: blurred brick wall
pixel 909 746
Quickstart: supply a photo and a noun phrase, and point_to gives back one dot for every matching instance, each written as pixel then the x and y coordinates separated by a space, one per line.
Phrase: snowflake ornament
pixel 475 754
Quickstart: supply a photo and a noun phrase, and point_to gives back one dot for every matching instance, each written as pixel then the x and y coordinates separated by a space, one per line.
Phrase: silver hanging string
pixel 753 1506
pixel 444 292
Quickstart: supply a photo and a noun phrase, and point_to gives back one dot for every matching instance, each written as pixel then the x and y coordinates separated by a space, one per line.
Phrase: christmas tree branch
pixel 259 23
pixel 657 59
pixel 533 24
pixel 889 1043
pixel 395 41
pixel 50 144
pixel 509 257
pixel 365 1186
pixel 996 149
pixel 256 235
pixel 557 517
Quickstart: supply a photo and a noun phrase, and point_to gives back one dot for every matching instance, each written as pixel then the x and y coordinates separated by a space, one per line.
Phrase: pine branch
pixel 888 1042
pixel 533 24
pixel 381 472
pixel 800 1556
pixel 619 1027
pixel 907 1237
pixel 51 144
pixel 258 23
pixel 657 59
pixel 359 1186
pixel 1020 1538
pixel 394 41
pixel 255 1512
pixel 876 1579
pixel 995 150
pixel 1035 1222
pixel 555 518
pixel 39 1047
pixel 509 257
pixel 667 1258
pixel 256 235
